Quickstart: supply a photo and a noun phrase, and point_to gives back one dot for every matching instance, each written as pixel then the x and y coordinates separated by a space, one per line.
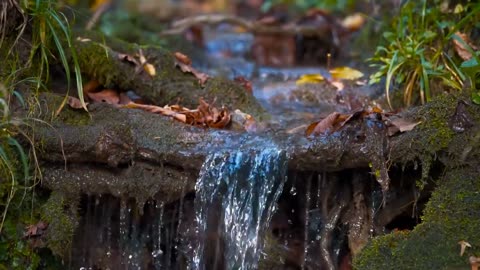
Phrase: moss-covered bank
pixel 451 215
pixel 450 138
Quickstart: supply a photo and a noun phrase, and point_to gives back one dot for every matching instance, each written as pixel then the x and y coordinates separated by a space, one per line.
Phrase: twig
pixel 182 25
pixel 97 15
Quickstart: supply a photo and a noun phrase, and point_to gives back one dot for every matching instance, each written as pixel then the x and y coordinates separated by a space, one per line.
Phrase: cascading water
pixel 236 194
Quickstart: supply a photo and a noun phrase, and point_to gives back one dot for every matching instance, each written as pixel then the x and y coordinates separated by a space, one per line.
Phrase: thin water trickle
pixel 236 194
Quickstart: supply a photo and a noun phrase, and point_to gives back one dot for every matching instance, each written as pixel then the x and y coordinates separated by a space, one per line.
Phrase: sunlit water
pixel 236 194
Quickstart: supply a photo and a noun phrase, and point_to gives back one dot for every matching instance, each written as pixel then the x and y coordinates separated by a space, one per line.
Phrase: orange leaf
pixel 461 49
pixel 182 58
pixel 91 86
pixel 324 126
pixel 109 96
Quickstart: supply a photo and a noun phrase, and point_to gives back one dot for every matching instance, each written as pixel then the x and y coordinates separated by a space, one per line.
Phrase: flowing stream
pixel 236 196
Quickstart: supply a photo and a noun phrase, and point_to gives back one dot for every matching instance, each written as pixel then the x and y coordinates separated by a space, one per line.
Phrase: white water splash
pixel 235 199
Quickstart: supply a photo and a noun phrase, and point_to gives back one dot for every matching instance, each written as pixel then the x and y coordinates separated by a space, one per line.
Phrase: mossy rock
pixel 60 212
pixel 452 215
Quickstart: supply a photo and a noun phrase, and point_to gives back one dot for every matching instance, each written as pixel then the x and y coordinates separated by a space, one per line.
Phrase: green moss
pixel 77 117
pixel 61 215
pixel 450 216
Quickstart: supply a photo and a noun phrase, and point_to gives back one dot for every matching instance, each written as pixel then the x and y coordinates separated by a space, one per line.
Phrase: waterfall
pixel 236 194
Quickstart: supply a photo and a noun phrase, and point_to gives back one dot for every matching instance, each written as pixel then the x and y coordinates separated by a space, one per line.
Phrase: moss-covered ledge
pixel 99 58
pixel 451 215
pixel 450 136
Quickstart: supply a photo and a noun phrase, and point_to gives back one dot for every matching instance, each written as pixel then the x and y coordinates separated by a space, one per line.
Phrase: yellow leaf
pixel 310 78
pixel 354 22
pixel 458 9
pixel 345 73
pixel 150 69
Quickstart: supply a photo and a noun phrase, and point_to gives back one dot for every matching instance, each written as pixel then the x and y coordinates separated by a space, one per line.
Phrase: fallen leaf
pixel 400 125
pixel 354 22
pixel 74 102
pixel 474 262
pixel 205 115
pixel 150 69
pixel 182 58
pixel 328 125
pixel 109 96
pixel 345 73
pixel 35 229
pixel 124 99
pixel 310 78
pixel 91 86
pixel 158 110
pixel 128 58
pixel 462 47
pixel 463 245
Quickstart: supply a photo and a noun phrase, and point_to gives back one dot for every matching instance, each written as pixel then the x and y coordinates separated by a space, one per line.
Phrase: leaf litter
pixel 205 115
pixel 336 121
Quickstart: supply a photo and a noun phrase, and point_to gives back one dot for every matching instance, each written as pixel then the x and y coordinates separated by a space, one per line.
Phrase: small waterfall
pixel 236 194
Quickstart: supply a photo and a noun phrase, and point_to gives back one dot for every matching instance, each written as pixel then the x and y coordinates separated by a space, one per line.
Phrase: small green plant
pixel 51 26
pixel 419 54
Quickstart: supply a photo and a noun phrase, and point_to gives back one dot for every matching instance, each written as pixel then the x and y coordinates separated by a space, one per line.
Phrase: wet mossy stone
pixel 451 215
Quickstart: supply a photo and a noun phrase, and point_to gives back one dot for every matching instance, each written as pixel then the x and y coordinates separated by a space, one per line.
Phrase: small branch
pixel 180 26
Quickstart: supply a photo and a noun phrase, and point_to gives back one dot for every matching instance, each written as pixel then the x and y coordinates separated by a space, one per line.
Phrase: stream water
pixel 235 199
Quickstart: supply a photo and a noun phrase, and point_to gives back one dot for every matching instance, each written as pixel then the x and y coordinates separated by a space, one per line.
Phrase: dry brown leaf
pixel 401 125
pixel 325 126
pixel 182 58
pixel 460 48
pixel 158 110
pixel 35 229
pixel 128 58
pixel 109 96
pixel 463 245
pixel 202 77
pixel 91 86
pixel 124 99
pixel 74 102
pixel 205 115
